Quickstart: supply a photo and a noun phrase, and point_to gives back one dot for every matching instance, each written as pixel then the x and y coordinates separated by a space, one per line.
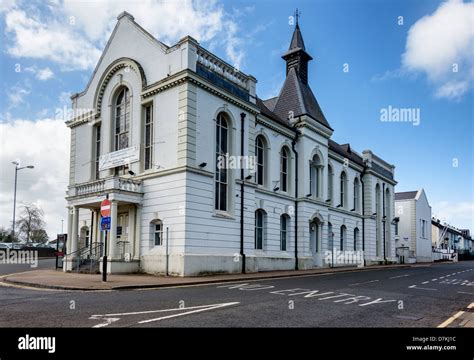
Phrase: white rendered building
pixel 414 227
pixel 155 123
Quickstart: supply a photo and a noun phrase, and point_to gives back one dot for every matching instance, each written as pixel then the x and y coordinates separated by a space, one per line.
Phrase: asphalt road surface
pixel 15 268
pixel 403 297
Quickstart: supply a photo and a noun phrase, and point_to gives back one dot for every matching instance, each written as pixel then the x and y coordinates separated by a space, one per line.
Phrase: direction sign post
pixel 105 226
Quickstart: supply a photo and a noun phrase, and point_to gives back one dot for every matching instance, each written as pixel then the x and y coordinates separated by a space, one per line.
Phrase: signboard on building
pixel 119 158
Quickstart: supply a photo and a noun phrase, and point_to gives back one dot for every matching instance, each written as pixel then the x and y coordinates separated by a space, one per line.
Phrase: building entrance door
pixel 122 234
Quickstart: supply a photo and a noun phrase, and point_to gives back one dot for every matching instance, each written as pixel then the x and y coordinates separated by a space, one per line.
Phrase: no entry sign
pixel 105 208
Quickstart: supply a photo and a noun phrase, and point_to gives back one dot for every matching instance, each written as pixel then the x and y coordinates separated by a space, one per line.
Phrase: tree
pixel 5 235
pixel 39 236
pixel 31 224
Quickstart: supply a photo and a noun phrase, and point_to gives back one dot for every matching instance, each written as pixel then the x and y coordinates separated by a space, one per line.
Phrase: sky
pixel 370 57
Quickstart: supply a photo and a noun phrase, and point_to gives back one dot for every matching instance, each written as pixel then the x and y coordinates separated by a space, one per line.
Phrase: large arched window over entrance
pixel 122 119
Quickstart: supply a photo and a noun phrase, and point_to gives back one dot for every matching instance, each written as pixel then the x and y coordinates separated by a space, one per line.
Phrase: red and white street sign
pixel 105 208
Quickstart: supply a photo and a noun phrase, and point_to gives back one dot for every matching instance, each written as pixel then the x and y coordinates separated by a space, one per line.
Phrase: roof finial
pixel 297 15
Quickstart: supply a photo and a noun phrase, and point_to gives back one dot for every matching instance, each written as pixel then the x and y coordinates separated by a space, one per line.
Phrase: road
pixel 15 268
pixel 402 297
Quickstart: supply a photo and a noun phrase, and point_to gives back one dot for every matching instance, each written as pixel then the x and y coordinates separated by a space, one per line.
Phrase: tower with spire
pixel 296 99
pixel 296 57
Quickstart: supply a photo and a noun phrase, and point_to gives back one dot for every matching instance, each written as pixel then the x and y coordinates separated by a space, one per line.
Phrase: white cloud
pixel 440 45
pixel 16 96
pixel 71 37
pixel 41 74
pixel 34 37
pixel 458 214
pixel 45 185
pixel 44 74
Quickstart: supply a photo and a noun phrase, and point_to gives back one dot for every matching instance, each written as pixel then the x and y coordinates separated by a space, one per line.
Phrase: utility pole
pixel 17 168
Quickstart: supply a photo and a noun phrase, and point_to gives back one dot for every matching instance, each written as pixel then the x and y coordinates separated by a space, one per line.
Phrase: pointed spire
pixel 297 39
pixel 296 56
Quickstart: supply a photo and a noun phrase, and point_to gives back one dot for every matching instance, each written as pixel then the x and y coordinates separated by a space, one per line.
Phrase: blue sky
pixel 405 65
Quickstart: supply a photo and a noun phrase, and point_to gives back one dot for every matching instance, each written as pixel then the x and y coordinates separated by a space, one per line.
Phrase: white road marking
pixel 434 279
pixel 209 307
pixel 366 282
pixel 399 276
pixel 465 292
pixel 425 282
pixel 420 288
pixel 110 318
pixel 108 321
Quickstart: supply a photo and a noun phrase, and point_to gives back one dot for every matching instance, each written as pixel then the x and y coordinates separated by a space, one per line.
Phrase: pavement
pixel 59 280
pixel 426 296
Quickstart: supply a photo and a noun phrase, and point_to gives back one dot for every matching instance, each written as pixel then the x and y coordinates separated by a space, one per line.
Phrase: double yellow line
pixel 454 317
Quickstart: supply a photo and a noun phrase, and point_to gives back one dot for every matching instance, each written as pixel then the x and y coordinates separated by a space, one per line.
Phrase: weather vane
pixel 297 15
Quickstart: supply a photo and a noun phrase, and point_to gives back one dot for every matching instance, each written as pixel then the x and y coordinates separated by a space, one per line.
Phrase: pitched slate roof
pixel 344 151
pixel 406 195
pixel 270 114
pixel 298 98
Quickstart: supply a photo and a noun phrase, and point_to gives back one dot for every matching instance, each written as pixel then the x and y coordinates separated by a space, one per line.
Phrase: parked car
pixel 5 245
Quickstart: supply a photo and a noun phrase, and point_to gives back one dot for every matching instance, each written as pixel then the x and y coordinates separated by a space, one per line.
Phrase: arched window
pixel 330 237
pixel 330 184
pixel 222 149
pixel 378 210
pixel 156 229
pixel 315 177
pixel 259 229
pixel 356 238
pixel 284 220
pixel 356 194
pixel 343 189
pixel 284 167
pixel 260 149
pixel 342 237
pixel 122 119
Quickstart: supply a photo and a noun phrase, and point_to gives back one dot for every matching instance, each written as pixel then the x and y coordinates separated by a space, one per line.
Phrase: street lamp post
pixel 17 168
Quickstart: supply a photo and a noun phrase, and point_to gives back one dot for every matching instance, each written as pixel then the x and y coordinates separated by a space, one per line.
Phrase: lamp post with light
pixel 17 168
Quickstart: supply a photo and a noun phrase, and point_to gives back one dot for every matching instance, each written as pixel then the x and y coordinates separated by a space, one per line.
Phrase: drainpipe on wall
pixel 242 133
pixel 383 222
pixel 293 143
pixel 363 207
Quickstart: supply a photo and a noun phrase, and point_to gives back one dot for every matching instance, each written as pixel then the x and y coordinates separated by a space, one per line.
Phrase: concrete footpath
pixel 57 279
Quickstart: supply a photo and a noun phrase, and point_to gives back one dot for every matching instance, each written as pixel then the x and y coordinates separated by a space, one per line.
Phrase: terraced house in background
pixel 159 118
